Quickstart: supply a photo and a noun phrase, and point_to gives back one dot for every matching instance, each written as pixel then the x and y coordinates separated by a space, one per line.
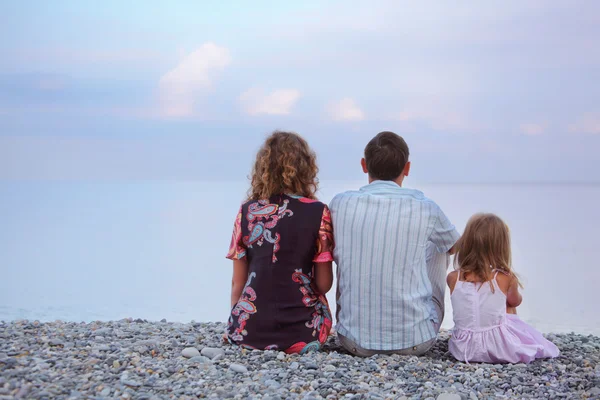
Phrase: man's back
pixel 383 233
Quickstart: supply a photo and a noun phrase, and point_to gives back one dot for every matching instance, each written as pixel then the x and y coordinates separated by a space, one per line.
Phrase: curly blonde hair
pixel 284 164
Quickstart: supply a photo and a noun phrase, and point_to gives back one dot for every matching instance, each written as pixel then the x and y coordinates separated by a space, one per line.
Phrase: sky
pixel 494 91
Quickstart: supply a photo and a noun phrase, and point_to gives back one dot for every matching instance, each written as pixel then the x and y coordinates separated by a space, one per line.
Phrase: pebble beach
pixel 137 359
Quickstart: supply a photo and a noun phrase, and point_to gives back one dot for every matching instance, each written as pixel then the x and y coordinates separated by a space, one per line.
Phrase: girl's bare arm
pixel 513 297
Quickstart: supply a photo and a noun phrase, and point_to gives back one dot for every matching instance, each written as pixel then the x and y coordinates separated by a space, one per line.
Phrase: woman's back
pixel 279 308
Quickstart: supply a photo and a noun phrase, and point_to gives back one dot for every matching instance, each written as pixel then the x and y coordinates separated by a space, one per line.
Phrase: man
pixel 392 251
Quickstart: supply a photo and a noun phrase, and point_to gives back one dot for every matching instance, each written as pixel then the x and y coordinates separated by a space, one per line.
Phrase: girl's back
pixel 477 305
pixel 484 332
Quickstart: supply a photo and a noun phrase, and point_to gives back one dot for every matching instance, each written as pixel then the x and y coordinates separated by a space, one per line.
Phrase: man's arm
pixel 444 235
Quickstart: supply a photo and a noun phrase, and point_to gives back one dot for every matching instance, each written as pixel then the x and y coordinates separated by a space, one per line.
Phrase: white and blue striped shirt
pixel 384 293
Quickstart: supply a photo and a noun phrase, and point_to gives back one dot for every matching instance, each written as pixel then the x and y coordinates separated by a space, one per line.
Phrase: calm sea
pixel 94 251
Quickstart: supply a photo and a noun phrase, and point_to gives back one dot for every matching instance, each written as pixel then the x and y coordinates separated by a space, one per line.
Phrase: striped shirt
pixel 384 293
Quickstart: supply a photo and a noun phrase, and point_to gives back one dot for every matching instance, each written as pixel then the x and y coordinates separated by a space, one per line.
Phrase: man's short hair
pixel 386 155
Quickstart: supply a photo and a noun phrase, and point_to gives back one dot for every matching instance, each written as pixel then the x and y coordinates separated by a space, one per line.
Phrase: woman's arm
pixel 323 276
pixel 323 271
pixel 238 281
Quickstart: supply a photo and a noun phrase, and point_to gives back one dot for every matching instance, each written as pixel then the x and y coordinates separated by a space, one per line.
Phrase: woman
pixel 282 252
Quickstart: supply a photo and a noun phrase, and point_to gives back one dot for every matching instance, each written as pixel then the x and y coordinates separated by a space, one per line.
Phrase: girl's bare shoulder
pixel 451 279
pixel 504 281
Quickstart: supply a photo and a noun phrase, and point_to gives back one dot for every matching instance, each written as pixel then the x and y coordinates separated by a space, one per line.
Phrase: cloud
pixel 532 129
pixel 193 77
pixel 256 101
pixel 346 110
pixel 588 124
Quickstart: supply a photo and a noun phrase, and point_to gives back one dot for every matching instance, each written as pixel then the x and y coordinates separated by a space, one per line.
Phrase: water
pixel 103 251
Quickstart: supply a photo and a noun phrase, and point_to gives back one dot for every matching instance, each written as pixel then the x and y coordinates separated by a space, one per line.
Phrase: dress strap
pixel 457 277
pixel 496 280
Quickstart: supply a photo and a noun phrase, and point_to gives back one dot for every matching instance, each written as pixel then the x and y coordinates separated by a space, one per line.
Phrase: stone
pixel 199 360
pixel 448 396
pixel 212 352
pixel 103 331
pixel 131 382
pixel 190 352
pixel 23 392
pixel 240 369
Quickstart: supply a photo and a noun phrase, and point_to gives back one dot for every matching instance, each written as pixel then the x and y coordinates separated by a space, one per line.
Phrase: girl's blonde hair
pixel 284 164
pixel 484 247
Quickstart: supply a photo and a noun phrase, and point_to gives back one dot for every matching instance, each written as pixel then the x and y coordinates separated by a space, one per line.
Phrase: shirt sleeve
pixel 444 234
pixel 325 242
pixel 237 249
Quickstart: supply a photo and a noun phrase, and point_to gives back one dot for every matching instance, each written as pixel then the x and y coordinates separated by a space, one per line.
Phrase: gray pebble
pixel 130 382
pixel 238 368
pixel 23 392
pixel 199 360
pixel 212 352
pixel 190 352
pixel 448 396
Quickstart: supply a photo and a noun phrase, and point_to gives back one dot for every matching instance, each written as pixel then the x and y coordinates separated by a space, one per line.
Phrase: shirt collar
pixel 389 186
pixel 381 184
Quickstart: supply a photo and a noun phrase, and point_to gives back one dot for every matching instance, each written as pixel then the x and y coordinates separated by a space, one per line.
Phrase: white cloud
pixel 181 86
pixel 532 129
pixel 256 101
pixel 588 124
pixel 346 110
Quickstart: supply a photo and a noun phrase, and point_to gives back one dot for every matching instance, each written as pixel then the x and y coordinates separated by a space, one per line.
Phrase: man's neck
pixel 398 181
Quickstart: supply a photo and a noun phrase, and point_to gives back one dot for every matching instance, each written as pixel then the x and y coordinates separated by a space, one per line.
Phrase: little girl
pixel 485 293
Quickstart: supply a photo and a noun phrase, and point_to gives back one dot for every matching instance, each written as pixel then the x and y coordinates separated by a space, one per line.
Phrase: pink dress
pixel 484 332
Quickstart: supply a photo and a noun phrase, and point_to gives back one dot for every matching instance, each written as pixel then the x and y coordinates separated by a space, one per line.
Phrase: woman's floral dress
pixel 282 239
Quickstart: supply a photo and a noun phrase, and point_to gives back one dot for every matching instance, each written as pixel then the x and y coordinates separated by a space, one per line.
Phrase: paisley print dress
pixel 282 238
